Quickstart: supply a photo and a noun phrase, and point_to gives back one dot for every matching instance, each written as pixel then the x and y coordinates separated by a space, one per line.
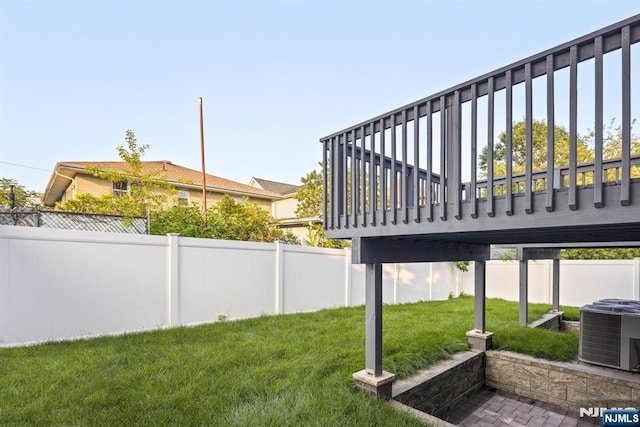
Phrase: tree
pixel 612 148
pixel 227 219
pixel 107 204
pixel 185 220
pixel 309 199
pixel 539 149
pixel 144 192
pixel 20 194
pixel 230 220
pixel 309 196
pixel 612 141
pixel 600 253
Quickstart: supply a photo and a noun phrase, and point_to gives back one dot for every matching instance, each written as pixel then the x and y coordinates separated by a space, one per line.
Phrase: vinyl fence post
pixel 279 278
pixel 173 289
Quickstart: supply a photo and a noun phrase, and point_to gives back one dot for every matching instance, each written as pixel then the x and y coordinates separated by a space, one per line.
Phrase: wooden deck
pixel 373 188
pixel 443 178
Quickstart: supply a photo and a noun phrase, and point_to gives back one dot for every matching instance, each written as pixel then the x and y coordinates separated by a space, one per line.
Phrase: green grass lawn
pixel 272 370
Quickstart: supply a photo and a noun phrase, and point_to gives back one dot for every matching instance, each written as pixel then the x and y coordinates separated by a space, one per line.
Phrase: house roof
pixel 280 188
pixel 180 176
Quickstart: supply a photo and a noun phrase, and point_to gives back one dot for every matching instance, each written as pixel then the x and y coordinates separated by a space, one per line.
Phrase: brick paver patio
pixel 490 407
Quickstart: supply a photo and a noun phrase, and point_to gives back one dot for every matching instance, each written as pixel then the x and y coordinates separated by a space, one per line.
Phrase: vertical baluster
pixel 597 146
pixel 490 131
pixel 373 176
pixel 363 176
pixel 416 164
pixel 528 189
pixel 354 181
pixel 509 144
pixel 429 201
pixel 335 182
pixel 345 179
pixel 383 174
pixel 404 190
pixel 327 217
pixel 474 151
pixel 625 196
pixel 573 126
pixel 443 159
pixel 394 173
pixel 549 195
pixel 456 153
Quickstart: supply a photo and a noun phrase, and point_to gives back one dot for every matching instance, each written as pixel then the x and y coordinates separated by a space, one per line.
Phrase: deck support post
pixel 479 338
pixel 524 292
pixel 555 299
pixel 373 379
pixel 532 253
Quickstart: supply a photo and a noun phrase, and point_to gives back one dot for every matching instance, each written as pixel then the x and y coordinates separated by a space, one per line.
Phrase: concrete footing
pixel 379 386
pixel 480 341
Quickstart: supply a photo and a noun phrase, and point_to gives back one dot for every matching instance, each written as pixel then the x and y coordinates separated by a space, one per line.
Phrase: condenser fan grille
pixel 600 338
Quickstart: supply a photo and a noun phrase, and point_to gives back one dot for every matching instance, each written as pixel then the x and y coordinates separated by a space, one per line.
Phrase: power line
pixel 25 166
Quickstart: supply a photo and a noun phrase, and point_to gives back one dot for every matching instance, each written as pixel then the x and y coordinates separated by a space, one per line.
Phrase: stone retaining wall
pixel 438 390
pixel 550 320
pixel 570 326
pixel 571 386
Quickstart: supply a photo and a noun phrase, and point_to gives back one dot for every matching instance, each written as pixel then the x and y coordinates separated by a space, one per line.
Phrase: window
pixel 120 188
pixel 183 197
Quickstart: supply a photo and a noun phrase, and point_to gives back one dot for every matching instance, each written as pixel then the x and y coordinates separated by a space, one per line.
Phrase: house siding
pixel 92 185
pixel 88 184
pixel 285 209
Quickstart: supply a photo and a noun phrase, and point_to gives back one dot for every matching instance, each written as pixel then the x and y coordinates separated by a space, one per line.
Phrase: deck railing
pixel 406 166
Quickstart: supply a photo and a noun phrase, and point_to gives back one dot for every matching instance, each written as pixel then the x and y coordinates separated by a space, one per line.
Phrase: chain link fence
pixel 34 217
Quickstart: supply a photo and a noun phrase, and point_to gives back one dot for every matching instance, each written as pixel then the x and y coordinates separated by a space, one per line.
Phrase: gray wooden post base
pixel 376 385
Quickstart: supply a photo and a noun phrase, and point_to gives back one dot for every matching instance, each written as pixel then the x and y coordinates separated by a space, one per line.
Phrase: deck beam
pixel 370 250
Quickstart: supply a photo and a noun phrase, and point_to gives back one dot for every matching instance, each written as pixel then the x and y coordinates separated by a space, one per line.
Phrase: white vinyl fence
pixel 581 281
pixel 64 284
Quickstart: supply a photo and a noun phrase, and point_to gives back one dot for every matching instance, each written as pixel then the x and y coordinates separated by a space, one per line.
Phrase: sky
pixel 275 76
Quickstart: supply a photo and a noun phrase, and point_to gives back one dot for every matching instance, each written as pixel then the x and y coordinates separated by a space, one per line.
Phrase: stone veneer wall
pixel 570 386
pixel 548 321
pixel 570 326
pixel 438 390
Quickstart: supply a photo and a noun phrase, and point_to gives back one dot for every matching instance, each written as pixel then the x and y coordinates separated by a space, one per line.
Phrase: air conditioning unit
pixel 610 334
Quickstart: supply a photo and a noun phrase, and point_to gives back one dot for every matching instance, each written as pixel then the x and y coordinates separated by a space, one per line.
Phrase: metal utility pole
pixel 204 175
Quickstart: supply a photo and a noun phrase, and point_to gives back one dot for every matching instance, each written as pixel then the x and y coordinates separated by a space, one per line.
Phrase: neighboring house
pixel 284 209
pixel 72 178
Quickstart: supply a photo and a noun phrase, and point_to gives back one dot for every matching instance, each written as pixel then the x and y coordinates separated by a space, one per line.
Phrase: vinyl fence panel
pixel 65 284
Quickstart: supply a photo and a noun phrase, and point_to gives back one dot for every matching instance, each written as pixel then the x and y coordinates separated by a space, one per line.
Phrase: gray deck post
pixel 373 314
pixel 556 285
pixel 479 304
pixel 524 292
pixel 479 338
pixel 373 379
